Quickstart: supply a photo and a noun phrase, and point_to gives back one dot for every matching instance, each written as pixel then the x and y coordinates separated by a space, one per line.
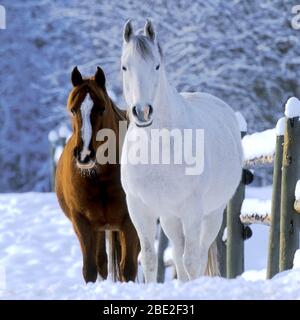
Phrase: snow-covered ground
pixel 42 260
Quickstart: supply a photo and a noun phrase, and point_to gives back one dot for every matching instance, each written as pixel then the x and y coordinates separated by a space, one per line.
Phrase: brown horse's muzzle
pixel 84 160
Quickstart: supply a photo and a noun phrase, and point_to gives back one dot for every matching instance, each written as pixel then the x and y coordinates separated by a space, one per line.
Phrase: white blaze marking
pixel 86 130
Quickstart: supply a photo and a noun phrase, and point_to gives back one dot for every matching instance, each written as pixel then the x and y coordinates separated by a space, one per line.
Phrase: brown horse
pixel 91 194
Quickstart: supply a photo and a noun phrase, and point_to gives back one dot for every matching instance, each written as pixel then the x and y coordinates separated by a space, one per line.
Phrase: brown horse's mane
pixel 77 95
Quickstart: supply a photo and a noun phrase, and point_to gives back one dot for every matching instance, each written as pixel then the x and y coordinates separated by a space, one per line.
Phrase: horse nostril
pixel 92 154
pixel 150 109
pixel 86 159
pixel 134 112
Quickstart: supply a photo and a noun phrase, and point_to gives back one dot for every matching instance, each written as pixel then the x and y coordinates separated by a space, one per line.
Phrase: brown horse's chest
pixel 103 204
pixel 99 198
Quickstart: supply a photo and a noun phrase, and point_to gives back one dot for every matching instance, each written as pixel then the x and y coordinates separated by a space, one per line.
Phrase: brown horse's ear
pixel 100 77
pixel 76 77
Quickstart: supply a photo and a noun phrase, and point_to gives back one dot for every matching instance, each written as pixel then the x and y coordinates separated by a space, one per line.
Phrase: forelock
pixel 79 93
pixel 143 46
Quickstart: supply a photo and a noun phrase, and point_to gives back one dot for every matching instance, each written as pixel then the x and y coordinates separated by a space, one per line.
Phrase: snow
pixel 64 132
pixel 259 144
pixel 258 207
pixel 280 127
pixel 254 275
pixel 292 108
pixel 168 257
pixel 297 190
pixel 53 136
pixel 57 153
pixel 296 262
pixel 242 122
pixel 224 236
pixel 255 259
pixel 42 260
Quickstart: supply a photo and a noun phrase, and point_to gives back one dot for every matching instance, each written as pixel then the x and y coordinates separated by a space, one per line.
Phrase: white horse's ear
pixel 128 31
pixel 149 30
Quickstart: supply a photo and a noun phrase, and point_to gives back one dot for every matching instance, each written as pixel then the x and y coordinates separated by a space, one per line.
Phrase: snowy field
pixel 42 260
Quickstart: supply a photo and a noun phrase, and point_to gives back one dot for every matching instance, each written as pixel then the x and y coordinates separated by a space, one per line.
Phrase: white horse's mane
pixel 143 45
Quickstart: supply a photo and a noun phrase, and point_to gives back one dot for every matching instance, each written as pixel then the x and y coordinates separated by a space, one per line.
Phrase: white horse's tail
pixel 212 268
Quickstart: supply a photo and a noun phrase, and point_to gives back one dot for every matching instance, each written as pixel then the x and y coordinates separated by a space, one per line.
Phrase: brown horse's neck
pixel 119 115
pixel 113 117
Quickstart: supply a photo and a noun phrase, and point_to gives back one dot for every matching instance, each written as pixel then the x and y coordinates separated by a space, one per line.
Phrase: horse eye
pixel 124 68
pixel 157 67
pixel 73 111
pixel 100 109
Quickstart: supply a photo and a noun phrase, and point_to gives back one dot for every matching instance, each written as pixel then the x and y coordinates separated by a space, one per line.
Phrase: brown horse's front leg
pixel 101 256
pixel 130 248
pixel 87 241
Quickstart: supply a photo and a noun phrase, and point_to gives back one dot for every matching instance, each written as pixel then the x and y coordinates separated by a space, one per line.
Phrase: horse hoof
pixel 90 275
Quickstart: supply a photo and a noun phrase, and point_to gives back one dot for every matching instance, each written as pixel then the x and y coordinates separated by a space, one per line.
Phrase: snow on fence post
pixel 297 197
pixel 235 229
pixel 274 233
pixel 289 220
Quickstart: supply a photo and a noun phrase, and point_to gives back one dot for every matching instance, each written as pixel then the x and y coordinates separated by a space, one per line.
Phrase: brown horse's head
pixel 89 107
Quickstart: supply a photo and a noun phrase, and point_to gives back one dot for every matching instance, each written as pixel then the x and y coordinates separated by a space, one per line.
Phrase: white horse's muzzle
pixel 143 117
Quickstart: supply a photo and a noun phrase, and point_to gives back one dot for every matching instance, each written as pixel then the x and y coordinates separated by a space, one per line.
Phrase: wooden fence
pixel 283 220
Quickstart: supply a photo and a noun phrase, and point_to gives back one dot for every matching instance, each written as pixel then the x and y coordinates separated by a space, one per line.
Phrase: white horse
pixel 190 207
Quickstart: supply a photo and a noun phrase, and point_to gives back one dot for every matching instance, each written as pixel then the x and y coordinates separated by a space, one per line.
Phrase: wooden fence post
pixel 52 164
pixel 162 245
pixel 235 230
pixel 274 233
pixel 222 247
pixel 289 221
pixel 235 240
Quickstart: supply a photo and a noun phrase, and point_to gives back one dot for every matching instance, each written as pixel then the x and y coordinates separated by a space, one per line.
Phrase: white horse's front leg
pixel 210 228
pixel 172 227
pixel 192 254
pixel 145 225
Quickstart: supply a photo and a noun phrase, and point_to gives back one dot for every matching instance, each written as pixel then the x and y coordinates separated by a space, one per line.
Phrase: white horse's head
pixel 141 67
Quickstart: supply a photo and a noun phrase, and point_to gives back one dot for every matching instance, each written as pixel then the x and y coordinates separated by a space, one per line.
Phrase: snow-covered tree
pixel 244 52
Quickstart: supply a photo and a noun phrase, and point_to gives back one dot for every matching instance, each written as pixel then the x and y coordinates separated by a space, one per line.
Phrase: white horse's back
pixel 223 150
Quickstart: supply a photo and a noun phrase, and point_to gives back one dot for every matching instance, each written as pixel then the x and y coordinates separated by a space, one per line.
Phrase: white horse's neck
pixel 166 103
